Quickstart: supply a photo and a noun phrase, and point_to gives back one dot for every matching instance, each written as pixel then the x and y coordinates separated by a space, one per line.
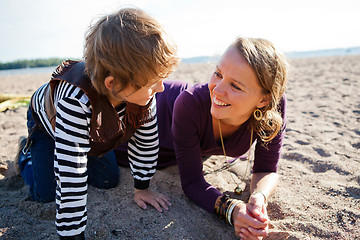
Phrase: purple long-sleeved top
pixel 193 137
pixel 185 124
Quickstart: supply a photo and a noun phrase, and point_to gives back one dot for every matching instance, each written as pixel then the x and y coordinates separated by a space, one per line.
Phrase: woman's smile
pixel 219 103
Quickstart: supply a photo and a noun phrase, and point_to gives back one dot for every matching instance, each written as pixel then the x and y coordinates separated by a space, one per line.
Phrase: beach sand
pixel 318 196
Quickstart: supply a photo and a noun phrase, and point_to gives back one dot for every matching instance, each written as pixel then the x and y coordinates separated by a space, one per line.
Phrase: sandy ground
pixel 318 196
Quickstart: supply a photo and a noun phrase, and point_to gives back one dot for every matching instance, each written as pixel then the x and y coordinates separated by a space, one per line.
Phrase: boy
pixel 89 108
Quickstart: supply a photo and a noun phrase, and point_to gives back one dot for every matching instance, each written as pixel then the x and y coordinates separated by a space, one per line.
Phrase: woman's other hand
pixel 246 225
pixel 257 206
pixel 157 200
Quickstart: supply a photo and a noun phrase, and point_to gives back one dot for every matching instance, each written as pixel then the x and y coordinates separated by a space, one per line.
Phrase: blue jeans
pixel 37 166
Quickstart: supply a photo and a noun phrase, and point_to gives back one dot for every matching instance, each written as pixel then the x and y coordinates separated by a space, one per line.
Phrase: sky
pixel 31 29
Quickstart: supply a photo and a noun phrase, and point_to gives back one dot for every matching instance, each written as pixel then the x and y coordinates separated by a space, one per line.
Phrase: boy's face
pixel 143 95
pixel 140 96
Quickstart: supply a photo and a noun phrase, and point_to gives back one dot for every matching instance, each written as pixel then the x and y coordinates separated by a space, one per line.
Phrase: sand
pixel 319 192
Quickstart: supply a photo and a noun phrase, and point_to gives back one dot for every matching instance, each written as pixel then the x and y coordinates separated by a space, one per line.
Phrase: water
pixel 303 54
pixel 325 53
pixel 204 59
pixel 27 71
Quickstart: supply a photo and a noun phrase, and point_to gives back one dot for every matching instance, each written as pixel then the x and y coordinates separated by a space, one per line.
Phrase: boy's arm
pixel 71 146
pixel 143 149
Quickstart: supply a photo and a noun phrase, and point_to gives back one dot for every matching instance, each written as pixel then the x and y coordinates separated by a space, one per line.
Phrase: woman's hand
pixel 157 200
pixel 250 226
pixel 257 206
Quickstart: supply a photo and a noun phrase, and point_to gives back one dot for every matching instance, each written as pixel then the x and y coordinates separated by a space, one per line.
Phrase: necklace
pixel 238 190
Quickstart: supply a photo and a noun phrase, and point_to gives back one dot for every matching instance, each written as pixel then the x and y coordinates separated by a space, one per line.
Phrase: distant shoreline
pixel 293 54
pixel 206 59
pixel 33 70
pixel 325 53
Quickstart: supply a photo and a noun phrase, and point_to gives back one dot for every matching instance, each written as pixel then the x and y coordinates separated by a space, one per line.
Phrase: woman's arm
pixel 186 128
pixel 262 186
pixel 263 182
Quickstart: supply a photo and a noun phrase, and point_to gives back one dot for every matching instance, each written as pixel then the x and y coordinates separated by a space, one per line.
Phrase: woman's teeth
pixel 220 103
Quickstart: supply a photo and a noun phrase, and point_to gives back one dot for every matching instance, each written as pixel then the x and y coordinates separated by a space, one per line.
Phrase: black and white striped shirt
pixel 72 142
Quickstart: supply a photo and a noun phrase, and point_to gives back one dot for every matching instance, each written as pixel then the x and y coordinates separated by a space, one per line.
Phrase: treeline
pixel 31 63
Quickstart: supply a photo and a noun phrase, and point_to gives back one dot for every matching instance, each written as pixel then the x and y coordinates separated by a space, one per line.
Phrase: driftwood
pixel 13 101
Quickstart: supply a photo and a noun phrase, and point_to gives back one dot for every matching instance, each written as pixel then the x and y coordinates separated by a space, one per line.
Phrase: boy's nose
pixel 159 86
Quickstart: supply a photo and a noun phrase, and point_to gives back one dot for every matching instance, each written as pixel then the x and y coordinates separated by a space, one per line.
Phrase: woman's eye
pixel 217 74
pixel 235 86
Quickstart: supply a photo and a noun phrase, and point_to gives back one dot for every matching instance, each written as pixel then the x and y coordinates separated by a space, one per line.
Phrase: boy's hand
pixel 157 200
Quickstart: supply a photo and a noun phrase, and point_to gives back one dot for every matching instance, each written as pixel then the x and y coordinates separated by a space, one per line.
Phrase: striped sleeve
pixel 70 166
pixel 143 149
pixel 39 108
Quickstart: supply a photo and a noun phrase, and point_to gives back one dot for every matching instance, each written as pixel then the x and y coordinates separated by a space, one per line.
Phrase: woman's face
pixel 234 89
pixel 140 96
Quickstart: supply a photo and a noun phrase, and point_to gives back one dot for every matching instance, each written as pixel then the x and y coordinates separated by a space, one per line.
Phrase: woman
pixel 244 101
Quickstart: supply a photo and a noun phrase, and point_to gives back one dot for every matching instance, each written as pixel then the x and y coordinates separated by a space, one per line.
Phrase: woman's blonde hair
pixel 131 46
pixel 270 67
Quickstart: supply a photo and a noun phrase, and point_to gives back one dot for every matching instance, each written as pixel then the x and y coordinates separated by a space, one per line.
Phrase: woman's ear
pixel 264 101
pixel 109 82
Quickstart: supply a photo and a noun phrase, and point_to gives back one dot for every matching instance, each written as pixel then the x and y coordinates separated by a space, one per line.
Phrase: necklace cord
pixel 227 163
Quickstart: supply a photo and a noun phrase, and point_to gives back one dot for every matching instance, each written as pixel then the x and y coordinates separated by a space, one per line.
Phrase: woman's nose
pixel 219 88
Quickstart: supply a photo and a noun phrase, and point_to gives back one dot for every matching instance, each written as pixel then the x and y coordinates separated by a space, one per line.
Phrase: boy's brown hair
pixel 131 46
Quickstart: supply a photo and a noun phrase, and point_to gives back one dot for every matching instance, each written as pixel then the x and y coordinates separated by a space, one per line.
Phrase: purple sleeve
pixel 267 157
pixel 185 131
